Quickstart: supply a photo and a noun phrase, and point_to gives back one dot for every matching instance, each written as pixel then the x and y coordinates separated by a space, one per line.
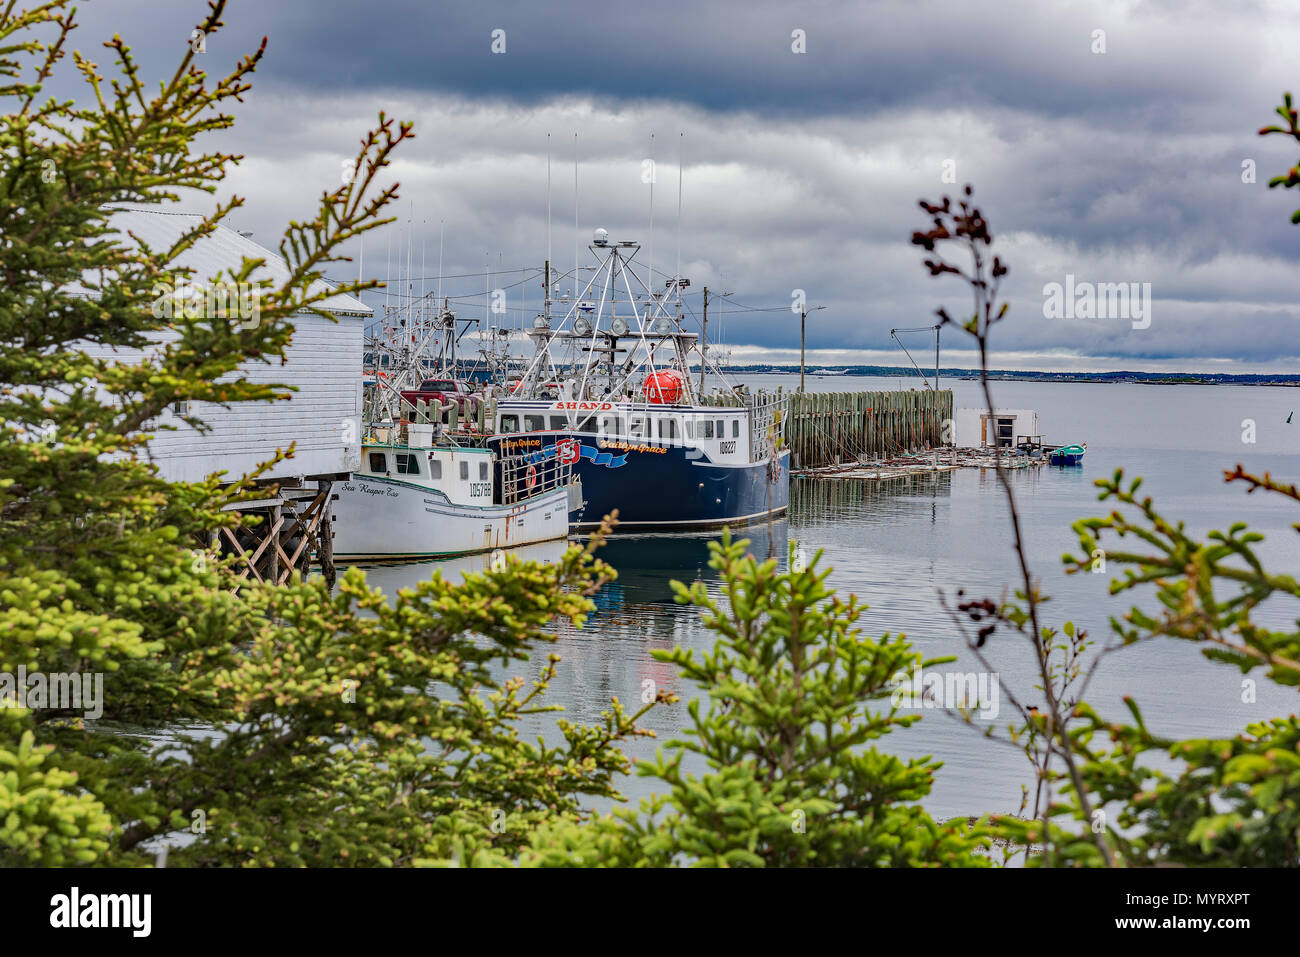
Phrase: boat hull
pixel 380 518
pixel 664 487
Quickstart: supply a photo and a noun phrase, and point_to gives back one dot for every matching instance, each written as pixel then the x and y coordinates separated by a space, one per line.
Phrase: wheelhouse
pixel 465 476
pixel 723 433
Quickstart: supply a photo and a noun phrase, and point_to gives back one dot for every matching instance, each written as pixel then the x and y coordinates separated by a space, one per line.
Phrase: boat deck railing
pixel 523 476
pixel 768 414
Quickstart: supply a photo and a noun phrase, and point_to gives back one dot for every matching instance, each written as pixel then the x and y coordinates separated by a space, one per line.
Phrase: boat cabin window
pixel 559 422
pixel 722 429
pixel 587 426
pixel 708 429
pixel 609 425
pixel 435 468
pixel 667 428
pixel 482 471
pixel 638 427
pixel 378 462
pixel 464 471
pixel 534 423
pixel 407 463
pixel 735 428
pixel 509 423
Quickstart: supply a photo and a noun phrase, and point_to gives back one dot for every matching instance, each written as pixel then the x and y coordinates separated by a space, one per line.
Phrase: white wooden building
pixel 976 429
pixel 321 420
pixel 323 361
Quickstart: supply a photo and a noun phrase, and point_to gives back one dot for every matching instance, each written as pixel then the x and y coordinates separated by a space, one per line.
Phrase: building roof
pixel 219 252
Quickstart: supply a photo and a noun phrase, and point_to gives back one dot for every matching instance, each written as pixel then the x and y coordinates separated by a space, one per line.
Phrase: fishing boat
pixel 411 499
pixel 429 486
pixel 1067 455
pixel 609 394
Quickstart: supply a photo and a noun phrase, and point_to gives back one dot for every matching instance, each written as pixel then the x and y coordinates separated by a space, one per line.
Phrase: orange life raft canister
pixel 665 388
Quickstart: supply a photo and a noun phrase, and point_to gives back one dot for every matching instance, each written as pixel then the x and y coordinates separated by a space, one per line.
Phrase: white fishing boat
pixel 428 485
pixel 429 501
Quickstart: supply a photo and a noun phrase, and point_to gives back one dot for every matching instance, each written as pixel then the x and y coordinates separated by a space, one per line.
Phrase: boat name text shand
pixel 584 406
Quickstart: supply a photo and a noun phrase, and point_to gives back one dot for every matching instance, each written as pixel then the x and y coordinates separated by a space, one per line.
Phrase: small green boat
pixel 1067 455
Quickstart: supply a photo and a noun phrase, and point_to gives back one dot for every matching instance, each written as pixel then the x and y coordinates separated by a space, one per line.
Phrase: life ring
pixel 532 475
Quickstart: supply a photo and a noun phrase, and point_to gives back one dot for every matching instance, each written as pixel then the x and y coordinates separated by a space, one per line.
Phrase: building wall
pixel 324 363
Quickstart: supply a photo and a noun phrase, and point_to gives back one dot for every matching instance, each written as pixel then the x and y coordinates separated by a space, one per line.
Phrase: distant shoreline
pixel 1013 375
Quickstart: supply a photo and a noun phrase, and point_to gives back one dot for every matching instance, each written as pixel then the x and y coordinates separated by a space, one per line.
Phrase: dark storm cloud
pixel 1030 54
pixel 803 171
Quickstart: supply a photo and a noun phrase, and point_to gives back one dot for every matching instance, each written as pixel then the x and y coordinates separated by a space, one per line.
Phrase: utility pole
pixel 803 322
pixel 704 334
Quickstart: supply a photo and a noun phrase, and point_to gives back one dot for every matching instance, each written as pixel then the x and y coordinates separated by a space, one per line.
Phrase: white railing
pixel 522 478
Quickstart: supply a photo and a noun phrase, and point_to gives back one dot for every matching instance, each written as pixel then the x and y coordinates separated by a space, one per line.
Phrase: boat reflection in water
pixel 647 563
pixel 389 577
pixel 610 655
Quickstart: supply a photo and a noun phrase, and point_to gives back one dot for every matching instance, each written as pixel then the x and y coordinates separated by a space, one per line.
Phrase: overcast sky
pixel 801 170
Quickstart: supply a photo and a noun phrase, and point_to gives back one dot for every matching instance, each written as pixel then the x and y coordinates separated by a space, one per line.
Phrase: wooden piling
pixel 827 428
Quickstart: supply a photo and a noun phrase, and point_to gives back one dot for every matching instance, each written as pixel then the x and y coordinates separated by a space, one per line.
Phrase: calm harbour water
pixel 896 543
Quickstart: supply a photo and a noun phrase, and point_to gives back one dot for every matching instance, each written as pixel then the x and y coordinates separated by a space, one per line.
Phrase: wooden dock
pixel 938 460
pixel 831 428
pixel 834 428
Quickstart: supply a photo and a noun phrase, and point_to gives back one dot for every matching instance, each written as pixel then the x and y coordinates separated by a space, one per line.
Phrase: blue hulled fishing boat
pixel 608 392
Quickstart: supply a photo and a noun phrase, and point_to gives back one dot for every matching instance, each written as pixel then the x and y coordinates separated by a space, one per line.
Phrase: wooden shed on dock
pixel 976 429
pixel 321 419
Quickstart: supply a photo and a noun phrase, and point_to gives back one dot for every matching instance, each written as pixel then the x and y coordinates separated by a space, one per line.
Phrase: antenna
pixel 442 234
pixel 575 216
pixel 651 250
pixel 677 276
pixel 548 207
pixel 410 286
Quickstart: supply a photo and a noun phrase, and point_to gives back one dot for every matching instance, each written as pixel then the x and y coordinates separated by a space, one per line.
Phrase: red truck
pixel 445 391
